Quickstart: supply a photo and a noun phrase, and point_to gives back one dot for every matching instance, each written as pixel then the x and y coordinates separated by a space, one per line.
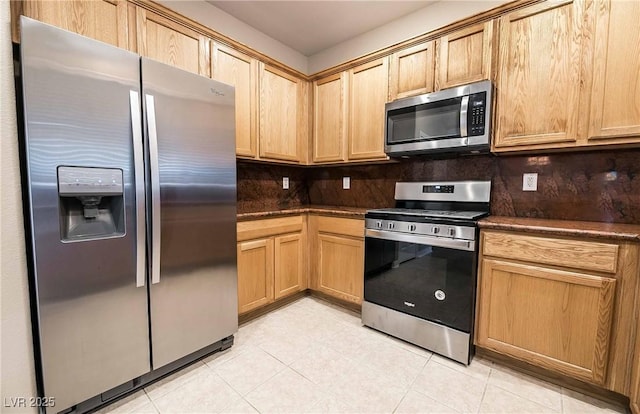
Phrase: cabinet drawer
pixel 342 226
pixel 256 229
pixel 594 256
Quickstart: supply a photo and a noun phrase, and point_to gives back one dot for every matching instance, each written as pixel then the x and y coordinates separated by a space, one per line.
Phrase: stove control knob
pixel 435 230
pixel 452 232
pixel 391 226
pixel 379 224
pixel 412 227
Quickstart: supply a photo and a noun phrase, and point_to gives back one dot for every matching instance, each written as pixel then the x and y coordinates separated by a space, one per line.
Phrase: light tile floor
pixel 314 357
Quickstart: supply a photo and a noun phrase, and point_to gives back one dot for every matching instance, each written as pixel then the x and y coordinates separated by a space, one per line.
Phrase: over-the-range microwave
pixel 454 120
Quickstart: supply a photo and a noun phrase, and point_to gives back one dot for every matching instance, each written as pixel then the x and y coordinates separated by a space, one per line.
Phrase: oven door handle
pixel 468 245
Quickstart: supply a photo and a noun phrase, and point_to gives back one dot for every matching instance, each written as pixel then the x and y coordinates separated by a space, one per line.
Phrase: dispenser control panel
pixel 80 181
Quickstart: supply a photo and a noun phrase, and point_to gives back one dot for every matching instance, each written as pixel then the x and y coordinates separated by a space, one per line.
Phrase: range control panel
pixel 79 181
pixel 423 229
pixel 476 114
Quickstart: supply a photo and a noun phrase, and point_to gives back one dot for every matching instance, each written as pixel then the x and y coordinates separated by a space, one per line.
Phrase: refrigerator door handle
pixel 138 170
pixel 155 189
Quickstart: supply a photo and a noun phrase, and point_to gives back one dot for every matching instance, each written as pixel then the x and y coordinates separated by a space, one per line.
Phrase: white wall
pixel 16 355
pixel 222 22
pixel 424 20
pixel 421 21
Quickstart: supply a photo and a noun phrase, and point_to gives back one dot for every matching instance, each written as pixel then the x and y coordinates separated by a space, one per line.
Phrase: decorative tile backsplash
pixel 592 186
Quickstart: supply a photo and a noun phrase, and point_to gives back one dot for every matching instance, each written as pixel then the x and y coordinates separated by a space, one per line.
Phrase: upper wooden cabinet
pixel 281 104
pixel 102 20
pixel 368 86
pixel 561 303
pixel 465 56
pixel 330 96
pixel 411 71
pixel 538 83
pixel 568 76
pixel 237 69
pixel 168 42
pixel 615 89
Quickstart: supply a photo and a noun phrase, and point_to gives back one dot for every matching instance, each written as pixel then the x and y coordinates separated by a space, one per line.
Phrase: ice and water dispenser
pixel 91 203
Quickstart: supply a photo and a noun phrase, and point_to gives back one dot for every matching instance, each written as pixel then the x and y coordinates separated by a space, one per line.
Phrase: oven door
pixel 428 277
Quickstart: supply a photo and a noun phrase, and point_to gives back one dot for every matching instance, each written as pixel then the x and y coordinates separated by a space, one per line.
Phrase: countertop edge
pixel 329 210
pixel 587 229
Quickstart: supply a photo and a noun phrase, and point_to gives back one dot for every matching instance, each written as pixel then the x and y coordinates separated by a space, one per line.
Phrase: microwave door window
pixel 426 122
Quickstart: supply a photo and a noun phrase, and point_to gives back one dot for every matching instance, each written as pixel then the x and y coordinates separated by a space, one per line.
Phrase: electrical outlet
pixel 285 183
pixel 530 182
pixel 346 183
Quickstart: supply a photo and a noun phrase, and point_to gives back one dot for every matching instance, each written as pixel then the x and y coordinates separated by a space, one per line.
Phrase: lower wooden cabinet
pixel 255 274
pixel 553 318
pixel 634 394
pixel 271 260
pixel 337 257
pixel 288 260
pixel 559 303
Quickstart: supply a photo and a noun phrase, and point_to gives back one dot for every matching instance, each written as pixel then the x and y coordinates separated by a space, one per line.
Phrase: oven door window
pixel 430 121
pixel 433 283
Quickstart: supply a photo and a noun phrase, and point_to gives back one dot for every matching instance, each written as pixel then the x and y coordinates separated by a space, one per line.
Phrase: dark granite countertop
pixel 611 231
pixel 350 212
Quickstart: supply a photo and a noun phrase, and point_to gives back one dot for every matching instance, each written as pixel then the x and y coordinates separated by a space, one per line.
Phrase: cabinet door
pixel 98 19
pixel 255 274
pixel 341 267
pixel 330 118
pixel 411 71
pixel 615 92
pixel 635 374
pixel 555 319
pixel 168 42
pixel 278 114
pixel 289 259
pixel 538 80
pixel 237 69
pixel 368 84
pixel 465 56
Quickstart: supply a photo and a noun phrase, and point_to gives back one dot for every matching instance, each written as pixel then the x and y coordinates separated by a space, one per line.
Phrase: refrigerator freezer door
pixel 194 302
pixel 93 320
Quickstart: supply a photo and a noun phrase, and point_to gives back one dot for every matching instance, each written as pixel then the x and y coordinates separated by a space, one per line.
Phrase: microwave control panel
pixel 476 114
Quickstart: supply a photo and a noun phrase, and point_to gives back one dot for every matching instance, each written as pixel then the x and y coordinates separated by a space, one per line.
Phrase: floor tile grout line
pixel 527 377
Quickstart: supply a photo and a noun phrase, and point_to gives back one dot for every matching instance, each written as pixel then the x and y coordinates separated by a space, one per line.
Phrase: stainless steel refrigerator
pixel 131 182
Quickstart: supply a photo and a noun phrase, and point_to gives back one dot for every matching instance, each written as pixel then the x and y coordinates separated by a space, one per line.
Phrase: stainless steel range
pixel 421 262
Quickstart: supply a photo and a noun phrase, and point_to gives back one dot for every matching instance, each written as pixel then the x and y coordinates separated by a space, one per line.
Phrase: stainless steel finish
pixel 464 108
pixel 196 303
pixel 480 142
pixel 77 181
pixel 459 91
pixel 458 244
pixel 154 168
pixel 464 191
pixel 447 214
pixel 138 163
pixel 449 231
pixel 92 323
pixel 435 337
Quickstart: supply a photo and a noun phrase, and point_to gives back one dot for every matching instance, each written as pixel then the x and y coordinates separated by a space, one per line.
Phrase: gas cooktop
pixel 449 214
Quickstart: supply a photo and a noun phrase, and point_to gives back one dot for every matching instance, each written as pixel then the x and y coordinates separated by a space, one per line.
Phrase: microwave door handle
pixel 155 189
pixel 138 173
pixel 464 108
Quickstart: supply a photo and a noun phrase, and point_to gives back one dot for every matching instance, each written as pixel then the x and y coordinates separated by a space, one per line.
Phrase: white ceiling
pixel 311 26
